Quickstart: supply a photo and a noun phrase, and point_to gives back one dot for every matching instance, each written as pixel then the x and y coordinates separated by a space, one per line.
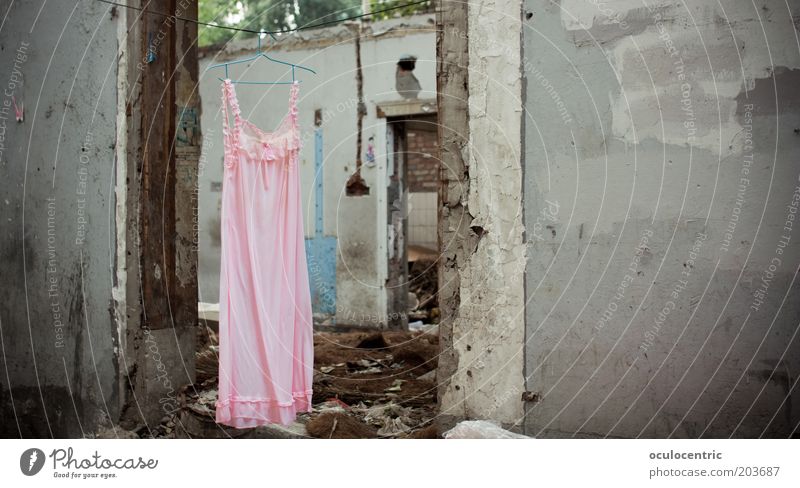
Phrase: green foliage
pixel 278 15
pixel 214 12
pixel 400 12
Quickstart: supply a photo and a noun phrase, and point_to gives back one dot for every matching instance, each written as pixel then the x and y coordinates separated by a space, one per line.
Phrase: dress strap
pixel 229 99
pixel 293 94
pixel 293 101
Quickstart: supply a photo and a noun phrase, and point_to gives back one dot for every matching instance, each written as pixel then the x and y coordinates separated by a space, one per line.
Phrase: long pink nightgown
pixel 266 347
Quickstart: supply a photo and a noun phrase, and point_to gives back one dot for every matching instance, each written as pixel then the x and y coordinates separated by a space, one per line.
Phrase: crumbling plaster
pixel 488 323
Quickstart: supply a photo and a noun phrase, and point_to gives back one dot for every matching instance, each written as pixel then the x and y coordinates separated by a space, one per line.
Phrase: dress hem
pixel 252 412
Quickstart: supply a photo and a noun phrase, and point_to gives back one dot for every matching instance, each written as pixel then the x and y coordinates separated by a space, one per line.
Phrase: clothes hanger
pixel 260 54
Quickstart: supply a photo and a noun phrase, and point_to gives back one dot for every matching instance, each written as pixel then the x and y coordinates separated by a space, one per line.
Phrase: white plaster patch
pixel 705 62
pixel 583 14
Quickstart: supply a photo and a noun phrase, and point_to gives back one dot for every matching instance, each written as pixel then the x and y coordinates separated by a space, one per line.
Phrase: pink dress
pixel 266 349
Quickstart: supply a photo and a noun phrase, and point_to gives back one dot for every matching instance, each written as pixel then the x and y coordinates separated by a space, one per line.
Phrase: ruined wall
pixel 480 220
pixel 57 336
pixel 361 257
pixel 156 255
pixel 661 189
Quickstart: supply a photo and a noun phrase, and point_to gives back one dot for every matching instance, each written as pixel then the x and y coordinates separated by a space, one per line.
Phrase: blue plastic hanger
pixel 260 54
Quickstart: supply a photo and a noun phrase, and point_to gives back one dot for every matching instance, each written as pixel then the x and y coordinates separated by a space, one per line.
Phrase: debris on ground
pixel 377 375
pixel 423 284
pixel 397 385
pixel 429 376
pixel 391 418
pixel 366 384
pixel 429 432
pixel 480 429
pixel 206 363
pixel 331 405
pixel 339 425
pixel 420 355
pixel 203 403
pixel 116 432
pixel 373 341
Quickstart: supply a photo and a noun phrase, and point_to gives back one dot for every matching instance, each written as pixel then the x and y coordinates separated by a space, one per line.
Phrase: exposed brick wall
pixel 423 156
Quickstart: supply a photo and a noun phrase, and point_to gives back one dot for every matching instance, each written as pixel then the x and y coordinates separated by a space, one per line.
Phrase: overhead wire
pixel 264 31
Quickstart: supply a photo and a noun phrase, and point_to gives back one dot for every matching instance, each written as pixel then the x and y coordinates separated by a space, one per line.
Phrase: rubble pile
pixel 366 384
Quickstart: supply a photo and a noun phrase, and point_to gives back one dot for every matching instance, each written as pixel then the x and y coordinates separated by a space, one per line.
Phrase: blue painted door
pixel 321 250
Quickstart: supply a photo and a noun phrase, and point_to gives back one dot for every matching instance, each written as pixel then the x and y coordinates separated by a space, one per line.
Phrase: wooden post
pixel 163 149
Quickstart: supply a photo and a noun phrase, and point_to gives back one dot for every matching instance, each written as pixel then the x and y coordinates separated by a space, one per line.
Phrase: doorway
pixel 412 208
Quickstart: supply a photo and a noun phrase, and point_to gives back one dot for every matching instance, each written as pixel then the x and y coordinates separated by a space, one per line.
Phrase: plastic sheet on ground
pixel 480 429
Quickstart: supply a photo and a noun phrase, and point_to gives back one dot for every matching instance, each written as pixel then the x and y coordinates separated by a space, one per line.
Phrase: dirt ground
pixel 366 385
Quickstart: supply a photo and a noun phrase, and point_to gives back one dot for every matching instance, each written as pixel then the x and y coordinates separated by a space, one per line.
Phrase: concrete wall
pixel 661 188
pixel 57 336
pixel 355 221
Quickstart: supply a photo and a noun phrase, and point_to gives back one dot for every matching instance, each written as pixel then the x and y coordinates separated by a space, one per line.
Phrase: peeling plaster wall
pixel 660 169
pixel 361 261
pixel 57 335
pixel 484 325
